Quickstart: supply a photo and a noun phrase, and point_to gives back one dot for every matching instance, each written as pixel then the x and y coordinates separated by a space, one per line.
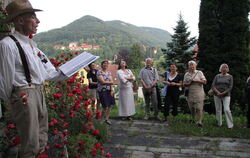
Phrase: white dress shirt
pixel 11 67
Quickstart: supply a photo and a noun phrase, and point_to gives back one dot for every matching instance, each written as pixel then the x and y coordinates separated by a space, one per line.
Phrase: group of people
pixel 192 82
pixel 24 68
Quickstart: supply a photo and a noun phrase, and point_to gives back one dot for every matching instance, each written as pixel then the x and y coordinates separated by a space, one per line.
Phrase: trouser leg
pixel 175 104
pixel 166 105
pixel 147 99
pixel 43 123
pixel 248 111
pixel 154 101
pixel 218 108
pixel 31 121
pixel 227 111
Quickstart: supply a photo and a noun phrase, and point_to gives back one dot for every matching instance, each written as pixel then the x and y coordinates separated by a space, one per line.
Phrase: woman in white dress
pixel 126 95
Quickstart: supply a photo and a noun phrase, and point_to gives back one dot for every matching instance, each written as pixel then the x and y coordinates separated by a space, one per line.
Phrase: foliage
pixel 4 28
pixel 181 125
pixel 224 38
pixel 9 137
pixel 110 35
pixel 179 50
pixel 72 121
pixel 71 117
pixel 135 58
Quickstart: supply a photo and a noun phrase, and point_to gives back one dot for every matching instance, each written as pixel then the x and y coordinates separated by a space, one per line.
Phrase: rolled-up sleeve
pixel 7 71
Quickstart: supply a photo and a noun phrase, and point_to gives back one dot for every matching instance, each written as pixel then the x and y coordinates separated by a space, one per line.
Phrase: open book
pixel 77 63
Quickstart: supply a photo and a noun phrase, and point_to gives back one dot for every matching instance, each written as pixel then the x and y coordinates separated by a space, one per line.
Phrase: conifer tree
pixel 179 49
pixel 224 38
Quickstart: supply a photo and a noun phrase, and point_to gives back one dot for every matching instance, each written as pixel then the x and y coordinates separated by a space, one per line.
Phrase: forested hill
pixel 113 34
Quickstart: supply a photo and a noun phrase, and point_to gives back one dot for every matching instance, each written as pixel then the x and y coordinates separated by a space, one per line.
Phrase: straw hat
pixel 16 8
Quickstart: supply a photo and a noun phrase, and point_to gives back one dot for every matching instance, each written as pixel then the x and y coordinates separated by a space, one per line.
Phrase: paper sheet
pixel 77 63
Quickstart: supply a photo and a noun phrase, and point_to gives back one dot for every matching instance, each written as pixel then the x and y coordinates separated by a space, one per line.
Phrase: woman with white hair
pixel 222 86
pixel 193 81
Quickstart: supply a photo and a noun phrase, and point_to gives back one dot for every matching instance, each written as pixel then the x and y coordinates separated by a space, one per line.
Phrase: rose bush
pixel 74 127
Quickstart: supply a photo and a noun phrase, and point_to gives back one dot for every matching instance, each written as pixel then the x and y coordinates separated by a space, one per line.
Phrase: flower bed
pixel 74 128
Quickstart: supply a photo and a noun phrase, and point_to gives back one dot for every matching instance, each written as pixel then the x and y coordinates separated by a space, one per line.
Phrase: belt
pixel 31 86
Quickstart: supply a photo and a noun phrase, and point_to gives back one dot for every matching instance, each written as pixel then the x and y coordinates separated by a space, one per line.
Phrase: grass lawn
pixel 181 124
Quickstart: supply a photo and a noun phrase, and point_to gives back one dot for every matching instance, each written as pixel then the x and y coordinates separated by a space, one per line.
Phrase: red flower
pixel 58 146
pixel 95 132
pixel 15 141
pixel 70 94
pixel 53 106
pixel 108 155
pixel 89 115
pixel 65 124
pixel 57 95
pixel 81 142
pixel 11 126
pixel 39 54
pixel 97 145
pixel 51 124
pixel 24 98
pixel 72 115
pixel 43 155
pixel 62 116
pixel 98 114
pixel 30 36
pixel 61 136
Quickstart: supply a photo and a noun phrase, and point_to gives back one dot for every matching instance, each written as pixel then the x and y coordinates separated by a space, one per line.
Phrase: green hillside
pixel 110 35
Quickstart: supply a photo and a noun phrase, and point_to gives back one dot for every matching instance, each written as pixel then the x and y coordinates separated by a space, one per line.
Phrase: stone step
pixel 139 138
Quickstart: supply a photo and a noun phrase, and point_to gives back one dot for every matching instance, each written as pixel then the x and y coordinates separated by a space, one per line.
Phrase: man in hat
pixel 23 69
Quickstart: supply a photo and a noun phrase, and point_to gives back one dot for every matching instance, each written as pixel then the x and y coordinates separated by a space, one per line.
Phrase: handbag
pixel 135 86
pixel 210 92
pixel 186 91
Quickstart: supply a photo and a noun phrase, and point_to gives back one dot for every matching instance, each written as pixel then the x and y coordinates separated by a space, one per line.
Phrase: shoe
pixel 108 122
pixel 129 118
pixel 230 128
pixel 199 124
pixel 146 117
pixel 191 121
pixel 218 126
pixel 165 119
pixel 157 118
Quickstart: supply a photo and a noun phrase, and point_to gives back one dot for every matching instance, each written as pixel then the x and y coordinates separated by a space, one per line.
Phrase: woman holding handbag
pixel 222 86
pixel 194 80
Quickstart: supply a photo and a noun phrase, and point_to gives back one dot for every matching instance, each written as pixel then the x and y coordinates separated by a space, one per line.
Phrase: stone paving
pixel 150 139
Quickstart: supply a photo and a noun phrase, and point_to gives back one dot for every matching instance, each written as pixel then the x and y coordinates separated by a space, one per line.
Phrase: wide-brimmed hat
pixel 16 8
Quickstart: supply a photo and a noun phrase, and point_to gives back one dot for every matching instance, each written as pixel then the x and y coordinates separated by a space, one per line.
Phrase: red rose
pixel 108 155
pixel 11 126
pixel 95 132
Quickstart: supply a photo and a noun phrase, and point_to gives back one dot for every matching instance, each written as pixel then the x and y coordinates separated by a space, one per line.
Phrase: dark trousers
pixel 151 100
pixel 171 98
pixel 248 112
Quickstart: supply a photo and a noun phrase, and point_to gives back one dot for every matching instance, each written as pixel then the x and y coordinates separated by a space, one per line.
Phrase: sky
pixel 161 14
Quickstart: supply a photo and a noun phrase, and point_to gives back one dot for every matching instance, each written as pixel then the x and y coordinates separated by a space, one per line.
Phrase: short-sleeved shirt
pixel 148 75
pixel 106 77
pixel 93 77
pixel 196 91
pixel 175 88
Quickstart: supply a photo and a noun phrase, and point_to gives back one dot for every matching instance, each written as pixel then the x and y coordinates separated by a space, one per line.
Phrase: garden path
pixel 150 139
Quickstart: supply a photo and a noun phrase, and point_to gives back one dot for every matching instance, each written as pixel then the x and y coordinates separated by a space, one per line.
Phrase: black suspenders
pixel 24 60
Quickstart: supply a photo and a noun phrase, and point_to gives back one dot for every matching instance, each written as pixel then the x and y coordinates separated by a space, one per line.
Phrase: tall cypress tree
pixel 179 49
pixel 224 38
